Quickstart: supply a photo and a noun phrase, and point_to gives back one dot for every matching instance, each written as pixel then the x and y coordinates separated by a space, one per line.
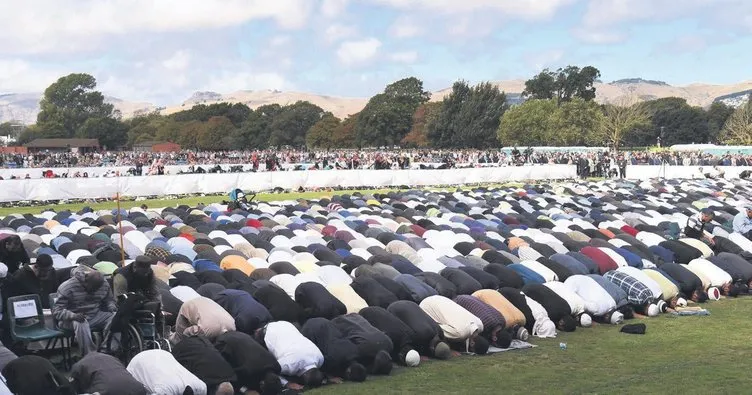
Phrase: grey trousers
pixel 82 330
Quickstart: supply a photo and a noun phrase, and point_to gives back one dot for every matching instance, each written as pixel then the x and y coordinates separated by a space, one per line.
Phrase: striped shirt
pixel 489 316
pixel 637 292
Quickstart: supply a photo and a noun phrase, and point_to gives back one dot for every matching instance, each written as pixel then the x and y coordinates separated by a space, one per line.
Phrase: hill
pixel 24 106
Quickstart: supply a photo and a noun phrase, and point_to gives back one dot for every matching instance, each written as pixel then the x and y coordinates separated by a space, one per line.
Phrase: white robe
pixel 294 352
pixel 597 300
pixel 162 374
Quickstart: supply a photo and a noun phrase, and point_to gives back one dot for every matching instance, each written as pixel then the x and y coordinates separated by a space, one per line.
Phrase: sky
pixel 161 51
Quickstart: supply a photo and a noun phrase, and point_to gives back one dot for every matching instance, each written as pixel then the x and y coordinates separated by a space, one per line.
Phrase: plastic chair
pixel 27 322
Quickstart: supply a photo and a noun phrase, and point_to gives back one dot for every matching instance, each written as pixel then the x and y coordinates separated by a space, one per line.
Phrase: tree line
pixel 559 110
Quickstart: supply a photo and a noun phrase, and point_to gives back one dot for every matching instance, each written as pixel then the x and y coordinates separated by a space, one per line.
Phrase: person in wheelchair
pixel 239 200
pixel 137 278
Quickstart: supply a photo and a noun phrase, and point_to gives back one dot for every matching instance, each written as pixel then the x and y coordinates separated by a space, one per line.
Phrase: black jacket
pixel 249 359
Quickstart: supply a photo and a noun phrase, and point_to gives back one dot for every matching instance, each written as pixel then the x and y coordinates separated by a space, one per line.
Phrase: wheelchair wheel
pixel 131 343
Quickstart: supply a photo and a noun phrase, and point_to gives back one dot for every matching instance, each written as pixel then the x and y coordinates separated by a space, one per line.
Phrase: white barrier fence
pixel 80 188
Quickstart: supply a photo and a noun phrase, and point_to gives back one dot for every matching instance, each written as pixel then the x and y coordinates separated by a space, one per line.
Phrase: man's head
pixel 312 378
pixel 43 266
pixel 699 296
pixel 442 351
pixel 567 324
pixel 93 280
pixel 382 363
pixel 13 244
pixel 749 211
pixel 730 290
pixel 706 215
pixel 585 320
pixel 142 265
pixel 478 344
pixel 356 372
pixel 501 338
pixel 271 384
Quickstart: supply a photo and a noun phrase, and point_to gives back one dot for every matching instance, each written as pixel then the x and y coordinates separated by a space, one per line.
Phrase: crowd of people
pixel 143 163
pixel 284 296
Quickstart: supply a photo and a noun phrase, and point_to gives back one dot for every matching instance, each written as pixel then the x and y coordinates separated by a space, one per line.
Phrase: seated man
pixel 248 313
pixel 38 279
pixel 84 303
pixel 427 335
pixel 316 301
pixel 743 222
pixel 202 316
pixel 12 252
pixel 717 278
pixel 31 374
pixel 493 321
pixel 104 374
pixel 340 354
pixel 200 357
pixel 138 278
pixel 598 303
pixel 280 305
pixel 557 308
pixel 162 374
pixel 400 334
pixel 297 356
pixel 699 227
pixel 461 328
pixel 514 319
pixel 255 367
pixel 374 346
pixel 639 295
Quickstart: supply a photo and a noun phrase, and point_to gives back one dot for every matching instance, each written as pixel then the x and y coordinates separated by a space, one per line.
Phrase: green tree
pixel 290 126
pixel 323 133
pixel 738 127
pixel 469 117
pixel 110 132
pixel 344 135
pixel 531 123
pixel 675 122
pixel 576 123
pixel 718 113
pixel 237 113
pixel 68 103
pixel 563 84
pixel 213 135
pixel 388 116
pixel 255 130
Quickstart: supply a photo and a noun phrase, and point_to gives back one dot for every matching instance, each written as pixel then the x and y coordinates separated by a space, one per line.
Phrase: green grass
pixel 193 201
pixel 679 355
pixel 190 201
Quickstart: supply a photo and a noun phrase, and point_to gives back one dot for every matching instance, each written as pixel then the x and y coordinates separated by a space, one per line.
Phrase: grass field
pixel 678 355
pixel 190 201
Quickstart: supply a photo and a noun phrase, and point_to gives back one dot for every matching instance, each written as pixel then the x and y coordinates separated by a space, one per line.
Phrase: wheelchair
pixel 143 331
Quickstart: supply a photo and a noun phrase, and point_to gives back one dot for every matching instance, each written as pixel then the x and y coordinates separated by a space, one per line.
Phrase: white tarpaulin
pixel 79 188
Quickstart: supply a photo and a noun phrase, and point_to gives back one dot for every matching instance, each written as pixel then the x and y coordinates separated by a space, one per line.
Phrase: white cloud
pixel 404 57
pixel 52 26
pixel 598 36
pixel 526 9
pixel 337 32
pixel 279 41
pixel 333 8
pixel 18 75
pixel 405 27
pixel 179 61
pixel 604 19
pixel 358 52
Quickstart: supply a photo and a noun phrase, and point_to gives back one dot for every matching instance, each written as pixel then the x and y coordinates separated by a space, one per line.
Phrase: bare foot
pixel 294 386
pixel 336 380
